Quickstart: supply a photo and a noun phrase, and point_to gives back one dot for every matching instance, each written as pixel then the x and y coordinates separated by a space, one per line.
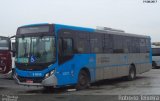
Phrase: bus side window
pixel 67 47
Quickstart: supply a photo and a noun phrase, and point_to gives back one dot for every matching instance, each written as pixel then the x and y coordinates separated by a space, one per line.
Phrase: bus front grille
pixel 35 79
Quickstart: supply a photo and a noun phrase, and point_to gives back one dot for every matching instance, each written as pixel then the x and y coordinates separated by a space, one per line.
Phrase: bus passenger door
pixel 66 56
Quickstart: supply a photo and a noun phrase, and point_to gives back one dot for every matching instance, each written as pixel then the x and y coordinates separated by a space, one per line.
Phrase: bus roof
pixel 109 31
pixel 58 26
pixel 121 33
pixel 31 25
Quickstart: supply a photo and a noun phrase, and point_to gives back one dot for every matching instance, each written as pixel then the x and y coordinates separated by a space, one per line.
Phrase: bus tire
pixel 154 65
pixel 132 73
pixel 83 80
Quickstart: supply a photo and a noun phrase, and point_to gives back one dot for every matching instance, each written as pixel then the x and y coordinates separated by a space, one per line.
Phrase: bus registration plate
pixel 29 81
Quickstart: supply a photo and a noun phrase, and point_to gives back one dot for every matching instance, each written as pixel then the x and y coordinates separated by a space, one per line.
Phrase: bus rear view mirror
pixel 13 50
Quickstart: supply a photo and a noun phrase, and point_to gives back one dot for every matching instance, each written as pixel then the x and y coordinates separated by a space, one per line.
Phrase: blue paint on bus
pixel 41 73
pixel 59 26
pixel 66 73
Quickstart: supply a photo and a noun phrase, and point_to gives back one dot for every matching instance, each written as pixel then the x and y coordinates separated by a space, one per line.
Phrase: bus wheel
pixel 132 73
pixel 83 80
pixel 154 65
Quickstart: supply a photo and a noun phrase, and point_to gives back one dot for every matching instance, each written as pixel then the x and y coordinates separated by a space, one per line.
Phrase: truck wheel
pixel 83 80
pixel 132 73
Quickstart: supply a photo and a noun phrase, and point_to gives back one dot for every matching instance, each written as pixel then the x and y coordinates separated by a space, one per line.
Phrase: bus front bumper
pixel 50 81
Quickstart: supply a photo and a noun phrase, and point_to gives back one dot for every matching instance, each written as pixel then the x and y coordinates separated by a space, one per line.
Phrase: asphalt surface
pixel 145 84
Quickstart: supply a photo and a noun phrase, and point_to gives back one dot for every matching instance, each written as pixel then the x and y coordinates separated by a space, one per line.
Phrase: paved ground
pixel 145 84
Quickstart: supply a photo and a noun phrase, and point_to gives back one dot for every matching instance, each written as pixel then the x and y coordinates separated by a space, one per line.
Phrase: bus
pixel 55 55
pixel 155 56
pixel 7 46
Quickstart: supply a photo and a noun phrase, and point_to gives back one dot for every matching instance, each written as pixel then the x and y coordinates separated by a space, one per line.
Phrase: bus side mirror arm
pixel 13 52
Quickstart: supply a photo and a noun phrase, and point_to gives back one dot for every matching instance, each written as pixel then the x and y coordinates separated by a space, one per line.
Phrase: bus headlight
pixel 47 75
pixel 52 72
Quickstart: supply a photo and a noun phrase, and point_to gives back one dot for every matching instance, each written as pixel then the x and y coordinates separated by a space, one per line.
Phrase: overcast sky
pixel 133 16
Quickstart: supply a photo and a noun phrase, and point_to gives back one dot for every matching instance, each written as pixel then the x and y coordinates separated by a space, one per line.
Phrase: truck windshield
pixel 35 49
pixel 4 44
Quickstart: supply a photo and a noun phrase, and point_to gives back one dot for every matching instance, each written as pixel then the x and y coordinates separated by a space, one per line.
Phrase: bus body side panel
pixel 107 66
pixel 141 62
pixel 67 73
pixel 117 65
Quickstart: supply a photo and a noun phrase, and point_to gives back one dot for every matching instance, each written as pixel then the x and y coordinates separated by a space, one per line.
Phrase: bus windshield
pixel 40 49
pixel 4 44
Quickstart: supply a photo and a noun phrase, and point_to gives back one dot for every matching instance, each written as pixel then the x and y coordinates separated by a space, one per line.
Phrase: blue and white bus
pixel 54 55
